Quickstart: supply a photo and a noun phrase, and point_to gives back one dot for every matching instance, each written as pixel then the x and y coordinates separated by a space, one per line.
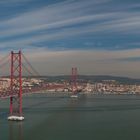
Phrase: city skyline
pixel 99 37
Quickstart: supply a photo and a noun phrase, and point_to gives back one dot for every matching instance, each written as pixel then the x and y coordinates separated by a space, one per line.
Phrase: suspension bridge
pixel 18 64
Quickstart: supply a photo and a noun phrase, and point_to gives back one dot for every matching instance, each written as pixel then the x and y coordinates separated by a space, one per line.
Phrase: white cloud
pixel 64 14
pixel 61 16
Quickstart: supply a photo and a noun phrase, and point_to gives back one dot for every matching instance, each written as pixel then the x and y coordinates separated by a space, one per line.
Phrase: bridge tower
pixel 16 87
pixel 74 80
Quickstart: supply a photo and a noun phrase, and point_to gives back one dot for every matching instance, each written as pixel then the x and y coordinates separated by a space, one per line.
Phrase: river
pixel 96 117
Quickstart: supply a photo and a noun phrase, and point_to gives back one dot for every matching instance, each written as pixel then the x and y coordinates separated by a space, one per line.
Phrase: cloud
pixel 50 23
pixel 122 26
pixel 69 20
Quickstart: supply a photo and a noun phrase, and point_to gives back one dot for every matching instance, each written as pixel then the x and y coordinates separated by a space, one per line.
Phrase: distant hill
pixel 89 78
pixel 93 78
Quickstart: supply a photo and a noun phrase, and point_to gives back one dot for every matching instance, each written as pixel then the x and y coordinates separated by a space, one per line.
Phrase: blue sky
pixel 97 36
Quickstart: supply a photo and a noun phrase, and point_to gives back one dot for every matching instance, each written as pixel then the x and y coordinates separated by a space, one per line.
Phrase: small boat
pixel 74 96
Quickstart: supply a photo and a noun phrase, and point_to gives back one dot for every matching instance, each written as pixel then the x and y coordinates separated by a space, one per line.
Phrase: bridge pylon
pixel 16 87
pixel 74 80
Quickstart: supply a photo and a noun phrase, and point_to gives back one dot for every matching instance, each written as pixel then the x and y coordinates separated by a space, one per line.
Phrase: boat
pixel 74 96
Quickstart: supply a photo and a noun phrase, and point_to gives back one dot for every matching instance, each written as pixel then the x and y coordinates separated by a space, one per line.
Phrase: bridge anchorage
pixel 16 87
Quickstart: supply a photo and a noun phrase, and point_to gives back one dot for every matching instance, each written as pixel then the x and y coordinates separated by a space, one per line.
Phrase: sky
pixel 99 37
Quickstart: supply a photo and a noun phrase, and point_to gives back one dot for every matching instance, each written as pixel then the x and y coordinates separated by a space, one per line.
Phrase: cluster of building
pixel 26 83
pixel 111 87
pixel 103 87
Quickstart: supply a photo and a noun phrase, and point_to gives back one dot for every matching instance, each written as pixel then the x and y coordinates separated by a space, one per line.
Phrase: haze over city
pixel 99 37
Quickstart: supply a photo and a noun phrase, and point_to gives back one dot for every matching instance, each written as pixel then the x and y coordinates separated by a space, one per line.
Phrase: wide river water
pixel 96 117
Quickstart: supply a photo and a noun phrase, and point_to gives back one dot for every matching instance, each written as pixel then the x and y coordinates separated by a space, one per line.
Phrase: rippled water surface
pixel 95 117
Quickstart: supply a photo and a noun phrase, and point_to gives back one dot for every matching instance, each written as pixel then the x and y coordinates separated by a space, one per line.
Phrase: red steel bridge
pixel 19 64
